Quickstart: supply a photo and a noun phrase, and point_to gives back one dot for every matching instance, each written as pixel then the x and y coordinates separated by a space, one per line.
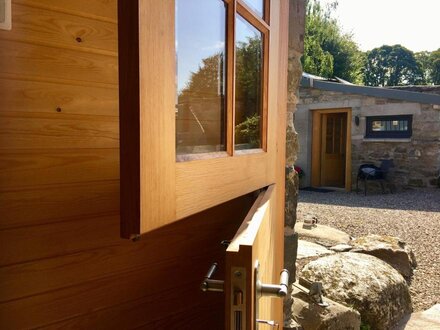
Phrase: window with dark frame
pixel 389 127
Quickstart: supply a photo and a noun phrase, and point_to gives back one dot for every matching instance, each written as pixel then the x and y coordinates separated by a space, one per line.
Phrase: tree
pixel 392 66
pixel 435 67
pixel 424 60
pixel 329 52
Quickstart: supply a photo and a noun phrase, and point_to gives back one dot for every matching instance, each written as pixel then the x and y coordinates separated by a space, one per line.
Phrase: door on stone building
pixel 331 149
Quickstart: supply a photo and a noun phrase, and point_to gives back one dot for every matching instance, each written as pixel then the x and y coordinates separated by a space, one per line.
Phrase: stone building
pixel 343 126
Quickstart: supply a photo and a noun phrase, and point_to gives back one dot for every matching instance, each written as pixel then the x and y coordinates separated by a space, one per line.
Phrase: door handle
pixel 208 284
pixel 275 290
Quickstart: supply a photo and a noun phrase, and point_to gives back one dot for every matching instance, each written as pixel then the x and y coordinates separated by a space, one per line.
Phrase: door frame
pixel 316 145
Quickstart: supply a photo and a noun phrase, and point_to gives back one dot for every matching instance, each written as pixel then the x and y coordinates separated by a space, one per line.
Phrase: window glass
pixel 389 126
pixel 257 6
pixel 248 85
pixel 201 51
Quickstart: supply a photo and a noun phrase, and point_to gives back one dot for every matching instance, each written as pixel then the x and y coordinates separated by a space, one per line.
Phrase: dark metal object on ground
pixel 370 172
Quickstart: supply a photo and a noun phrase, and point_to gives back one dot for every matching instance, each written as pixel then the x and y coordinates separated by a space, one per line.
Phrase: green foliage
pixel 249 131
pixel 429 62
pixel 248 71
pixel 435 67
pixel 392 66
pixel 365 326
pixel 424 61
pixel 329 52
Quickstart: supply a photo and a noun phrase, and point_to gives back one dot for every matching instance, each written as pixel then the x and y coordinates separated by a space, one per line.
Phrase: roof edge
pixel 418 97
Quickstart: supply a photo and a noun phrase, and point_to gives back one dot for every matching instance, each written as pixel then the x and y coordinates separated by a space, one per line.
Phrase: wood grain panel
pixel 254 242
pixel 41 61
pixel 155 272
pixel 42 167
pixel 97 9
pixel 57 130
pixel 157 156
pixel 239 175
pixel 59 305
pixel 201 316
pixel 62 30
pixel 42 275
pixel 37 96
pixel 58 239
pixel 21 207
pixel 147 115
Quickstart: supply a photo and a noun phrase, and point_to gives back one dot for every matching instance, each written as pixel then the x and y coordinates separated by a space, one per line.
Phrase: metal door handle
pixel 275 290
pixel 209 284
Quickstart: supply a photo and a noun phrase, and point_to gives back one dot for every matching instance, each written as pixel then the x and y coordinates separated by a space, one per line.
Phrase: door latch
pixel 208 284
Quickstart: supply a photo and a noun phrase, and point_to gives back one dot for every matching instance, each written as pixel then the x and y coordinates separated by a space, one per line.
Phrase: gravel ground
pixel 413 216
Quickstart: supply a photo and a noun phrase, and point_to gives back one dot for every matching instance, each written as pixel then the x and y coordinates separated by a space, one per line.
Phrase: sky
pixel 413 24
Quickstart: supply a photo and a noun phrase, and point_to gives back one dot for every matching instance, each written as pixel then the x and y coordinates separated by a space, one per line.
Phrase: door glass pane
pixel 257 6
pixel 201 50
pixel 248 85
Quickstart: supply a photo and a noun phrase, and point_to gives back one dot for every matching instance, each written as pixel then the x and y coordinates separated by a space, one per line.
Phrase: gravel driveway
pixel 413 216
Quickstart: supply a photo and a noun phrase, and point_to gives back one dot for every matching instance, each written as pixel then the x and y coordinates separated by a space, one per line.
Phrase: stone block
pixel 389 249
pixel 314 317
pixel 322 234
pixel 308 249
pixel 371 286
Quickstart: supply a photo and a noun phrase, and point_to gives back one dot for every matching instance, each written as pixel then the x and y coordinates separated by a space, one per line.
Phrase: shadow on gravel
pixel 417 200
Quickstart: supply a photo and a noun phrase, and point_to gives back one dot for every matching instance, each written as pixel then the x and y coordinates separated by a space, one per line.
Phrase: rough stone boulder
pixel 364 282
pixel 322 234
pixel 314 317
pixel 389 249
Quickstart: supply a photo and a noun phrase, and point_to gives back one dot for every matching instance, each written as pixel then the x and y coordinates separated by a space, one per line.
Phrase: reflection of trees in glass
pixel 249 131
pixel 248 92
pixel 207 81
pixel 206 87
pixel 201 109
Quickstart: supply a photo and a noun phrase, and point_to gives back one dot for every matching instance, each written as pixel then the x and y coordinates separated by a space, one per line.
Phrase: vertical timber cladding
pixel 156 190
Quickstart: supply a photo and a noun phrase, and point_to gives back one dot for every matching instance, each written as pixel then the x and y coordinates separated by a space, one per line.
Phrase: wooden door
pixel 333 149
pixel 252 260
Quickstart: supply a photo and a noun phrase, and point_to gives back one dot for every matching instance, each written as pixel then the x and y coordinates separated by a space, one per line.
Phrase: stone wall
pixel 416 160
pixel 296 47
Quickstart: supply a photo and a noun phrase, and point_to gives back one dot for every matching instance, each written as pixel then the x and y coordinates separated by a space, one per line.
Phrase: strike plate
pixel 238 298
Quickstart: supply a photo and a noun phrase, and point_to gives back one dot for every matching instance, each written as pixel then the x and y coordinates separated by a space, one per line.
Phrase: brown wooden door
pixel 252 258
pixel 333 148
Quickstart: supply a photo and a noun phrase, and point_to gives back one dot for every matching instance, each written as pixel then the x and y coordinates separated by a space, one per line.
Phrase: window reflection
pixel 248 85
pixel 201 50
pixel 257 6
pixel 389 125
